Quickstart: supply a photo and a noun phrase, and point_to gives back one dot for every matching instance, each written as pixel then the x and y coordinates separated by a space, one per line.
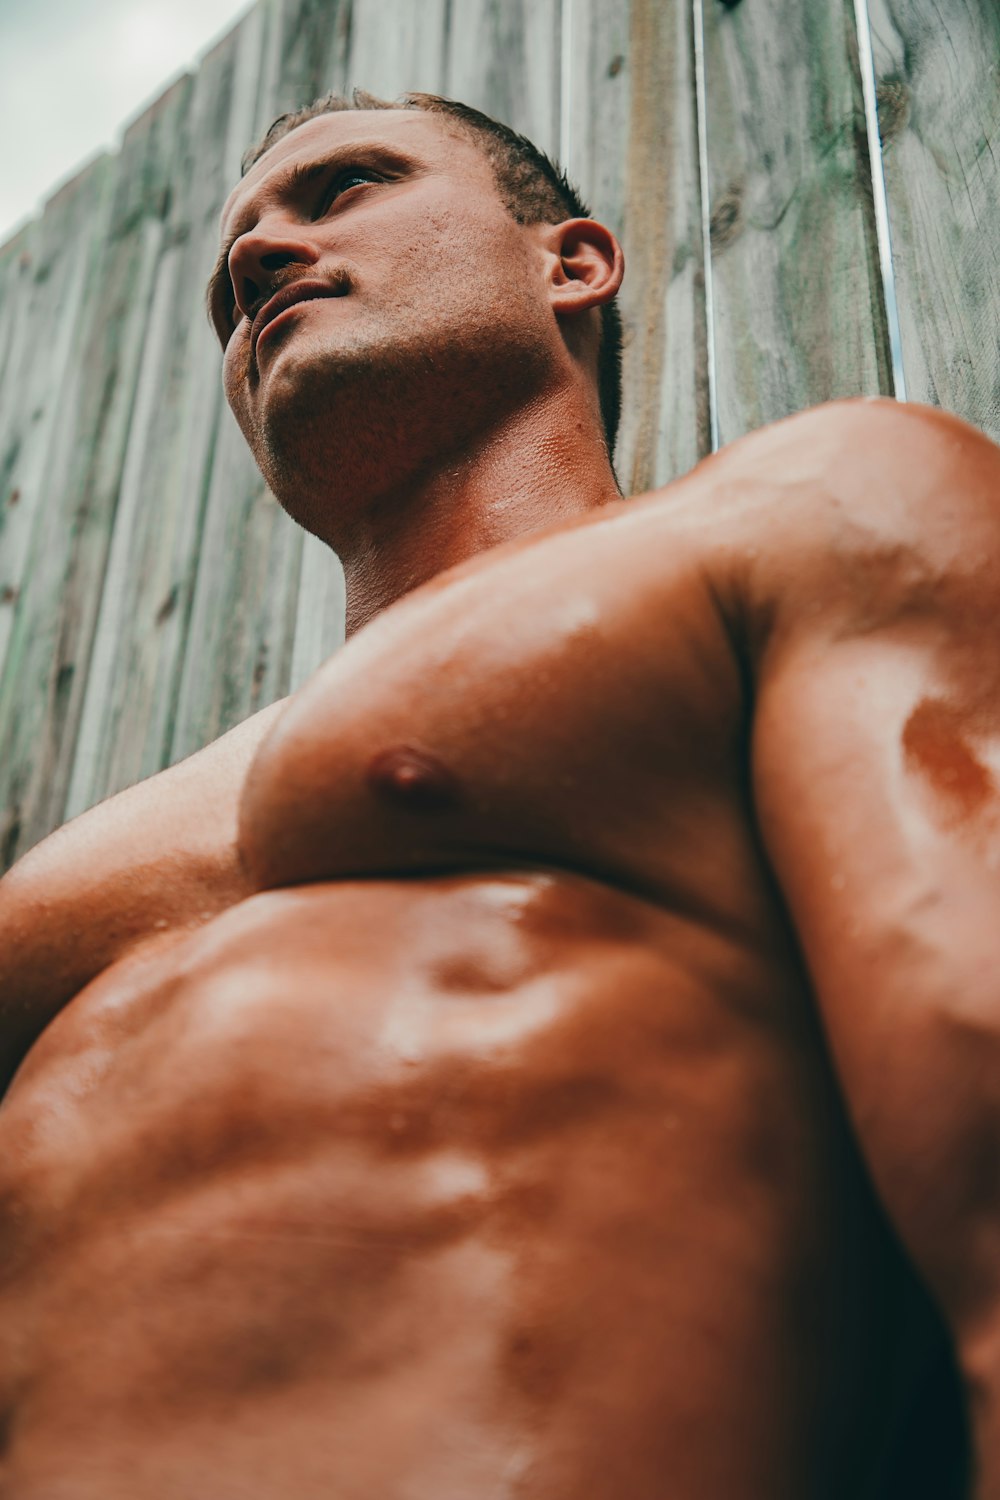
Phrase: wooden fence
pixel 152 593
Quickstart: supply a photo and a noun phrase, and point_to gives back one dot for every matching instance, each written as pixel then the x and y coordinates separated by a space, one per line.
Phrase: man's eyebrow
pixel 289 184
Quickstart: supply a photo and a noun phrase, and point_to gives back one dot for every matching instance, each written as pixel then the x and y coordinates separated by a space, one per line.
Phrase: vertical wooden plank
pixel 305 55
pixel 15 258
pixel 41 691
pixel 242 625
pixel 631 140
pixel 597 89
pixel 799 315
pixel 142 586
pixel 246 49
pixel 49 272
pixel 320 612
pixel 938 74
pixel 505 57
pixel 397 47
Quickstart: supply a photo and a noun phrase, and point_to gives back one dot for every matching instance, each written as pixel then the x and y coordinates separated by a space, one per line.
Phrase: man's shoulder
pixel 158 856
pixel 848 517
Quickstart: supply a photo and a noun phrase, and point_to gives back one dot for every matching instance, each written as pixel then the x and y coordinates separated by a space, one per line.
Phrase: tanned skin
pixel 554 1054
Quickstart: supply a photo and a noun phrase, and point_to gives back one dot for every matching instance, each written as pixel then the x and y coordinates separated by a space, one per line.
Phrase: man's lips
pixel 299 291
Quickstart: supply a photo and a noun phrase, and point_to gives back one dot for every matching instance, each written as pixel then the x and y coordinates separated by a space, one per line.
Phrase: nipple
pixel 413 779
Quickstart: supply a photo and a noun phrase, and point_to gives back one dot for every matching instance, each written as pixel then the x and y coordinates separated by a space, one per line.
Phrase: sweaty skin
pixel 500 1137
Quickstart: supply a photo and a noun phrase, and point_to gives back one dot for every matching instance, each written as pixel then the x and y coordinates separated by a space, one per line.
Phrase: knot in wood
pixel 726 222
pixel 892 98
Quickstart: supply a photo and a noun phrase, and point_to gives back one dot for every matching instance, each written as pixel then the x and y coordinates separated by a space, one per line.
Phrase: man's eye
pixel 348 178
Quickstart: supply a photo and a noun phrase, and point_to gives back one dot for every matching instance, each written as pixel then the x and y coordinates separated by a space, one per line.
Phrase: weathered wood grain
pixel 504 57
pixel 243 619
pixel 41 692
pixel 799 315
pixel 46 275
pixel 628 141
pixel 596 100
pixel 938 75
pixel 397 47
pixel 305 54
pixel 134 669
pixel 140 637
pixel 320 611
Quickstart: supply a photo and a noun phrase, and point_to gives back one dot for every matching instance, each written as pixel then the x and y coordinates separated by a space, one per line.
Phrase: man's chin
pixel 299 407
pixel 341 426
pixel 289 370
pixel 319 446
pixel 321 405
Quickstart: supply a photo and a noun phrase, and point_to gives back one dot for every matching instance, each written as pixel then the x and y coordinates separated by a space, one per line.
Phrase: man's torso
pixel 490 1148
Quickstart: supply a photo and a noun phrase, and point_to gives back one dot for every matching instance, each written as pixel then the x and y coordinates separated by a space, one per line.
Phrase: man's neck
pixel 545 466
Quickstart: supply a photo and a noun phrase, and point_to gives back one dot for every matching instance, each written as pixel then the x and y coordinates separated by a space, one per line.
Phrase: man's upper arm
pixel 877 782
pixel 161 855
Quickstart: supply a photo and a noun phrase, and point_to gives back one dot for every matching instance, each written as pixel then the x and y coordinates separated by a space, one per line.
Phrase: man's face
pixel 376 297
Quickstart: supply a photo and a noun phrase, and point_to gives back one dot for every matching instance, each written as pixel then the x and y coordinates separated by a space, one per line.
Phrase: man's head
pixel 440 268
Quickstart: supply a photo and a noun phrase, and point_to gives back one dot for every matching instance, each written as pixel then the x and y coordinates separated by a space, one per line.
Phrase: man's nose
pixel 258 255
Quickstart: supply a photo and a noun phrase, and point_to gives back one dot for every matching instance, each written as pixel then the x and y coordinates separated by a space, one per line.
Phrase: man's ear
pixel 587 266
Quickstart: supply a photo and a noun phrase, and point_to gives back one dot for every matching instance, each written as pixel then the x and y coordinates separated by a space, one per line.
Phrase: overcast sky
pixel 73 72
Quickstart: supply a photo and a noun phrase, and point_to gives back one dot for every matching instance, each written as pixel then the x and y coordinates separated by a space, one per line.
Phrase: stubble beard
pixel 347 430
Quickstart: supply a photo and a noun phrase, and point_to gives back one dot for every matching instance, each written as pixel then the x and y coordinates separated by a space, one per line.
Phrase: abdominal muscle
pixel 434 1189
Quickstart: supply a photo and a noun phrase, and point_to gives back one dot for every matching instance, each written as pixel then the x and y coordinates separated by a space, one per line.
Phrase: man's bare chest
pixel 570 702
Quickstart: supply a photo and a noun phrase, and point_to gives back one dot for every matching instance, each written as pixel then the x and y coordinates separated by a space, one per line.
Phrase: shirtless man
pixel 554 1054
